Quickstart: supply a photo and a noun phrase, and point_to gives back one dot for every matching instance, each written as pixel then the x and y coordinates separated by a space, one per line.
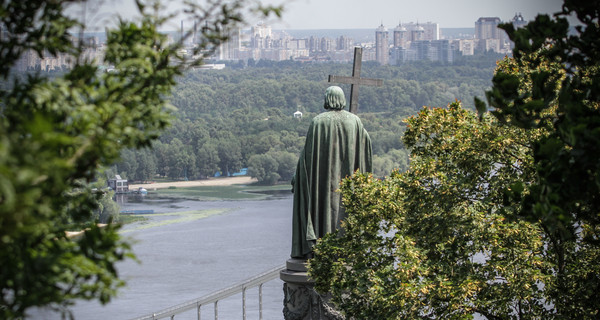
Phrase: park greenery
pixel 497 215
pixel 57 132
pixel 227 192
pixel 242 116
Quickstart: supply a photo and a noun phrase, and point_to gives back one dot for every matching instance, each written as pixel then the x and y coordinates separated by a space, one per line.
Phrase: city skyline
pixel 408 42
pixel 317 14
pixel 360 14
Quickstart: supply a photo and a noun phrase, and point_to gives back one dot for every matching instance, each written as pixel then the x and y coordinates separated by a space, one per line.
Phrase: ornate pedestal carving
pixel 301 301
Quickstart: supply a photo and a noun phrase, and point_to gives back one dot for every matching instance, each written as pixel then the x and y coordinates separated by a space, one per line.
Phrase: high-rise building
pixel 327 44
pixel 417 34
pixel 344 43
pixel 382 49
pixel 261 36
pixel 261 30
pixel 465 46
pixel 487 28
pixel 421 49
pixel 432 30
pixel 400 36
pixel 313 44
pixel 230 49
pixel 441 50
pixel 427 30
pixel 491 38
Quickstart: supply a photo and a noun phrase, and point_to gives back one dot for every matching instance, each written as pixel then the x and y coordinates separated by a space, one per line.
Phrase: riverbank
pixel 226 181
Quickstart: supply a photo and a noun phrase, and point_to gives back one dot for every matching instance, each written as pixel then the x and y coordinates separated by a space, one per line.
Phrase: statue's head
pixel 334 98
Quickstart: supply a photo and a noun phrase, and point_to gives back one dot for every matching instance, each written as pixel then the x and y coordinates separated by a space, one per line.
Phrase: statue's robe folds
pixel 336 146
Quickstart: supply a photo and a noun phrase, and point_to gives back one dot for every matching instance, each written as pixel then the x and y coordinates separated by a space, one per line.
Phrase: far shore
pixel 226 181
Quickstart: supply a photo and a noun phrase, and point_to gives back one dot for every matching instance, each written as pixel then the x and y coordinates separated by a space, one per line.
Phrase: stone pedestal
pixel 301 301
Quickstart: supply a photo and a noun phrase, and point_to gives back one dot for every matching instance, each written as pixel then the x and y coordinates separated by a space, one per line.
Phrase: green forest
pixel 242 116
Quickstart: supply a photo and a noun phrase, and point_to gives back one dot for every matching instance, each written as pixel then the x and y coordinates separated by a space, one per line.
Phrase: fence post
pixel 260 316
pixel 216 310
pixel 256 281
pixel 244 303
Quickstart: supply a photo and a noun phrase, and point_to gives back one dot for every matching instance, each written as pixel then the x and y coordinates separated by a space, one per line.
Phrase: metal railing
pixel 215 297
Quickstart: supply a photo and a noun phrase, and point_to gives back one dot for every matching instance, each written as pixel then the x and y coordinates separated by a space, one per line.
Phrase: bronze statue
pixel 336 146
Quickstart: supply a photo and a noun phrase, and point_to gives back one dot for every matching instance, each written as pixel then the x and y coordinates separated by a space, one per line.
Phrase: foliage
pixel 436 241
pixel 264 168
pixel 216 193
pixel 393 160
pixel 563 97
pixel 108 210
pixel 253 106
pixel 56 133
pixel 273 166
pixel 565 100
pixel 496 217
pixel 440 241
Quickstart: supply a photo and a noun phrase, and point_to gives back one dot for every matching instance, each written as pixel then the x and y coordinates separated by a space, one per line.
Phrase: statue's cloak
pixel 336 146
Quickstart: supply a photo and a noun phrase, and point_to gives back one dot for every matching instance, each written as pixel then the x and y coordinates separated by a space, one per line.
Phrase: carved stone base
pixel 301 301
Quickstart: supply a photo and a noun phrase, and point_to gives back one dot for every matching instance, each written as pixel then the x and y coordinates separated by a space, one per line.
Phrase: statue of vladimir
pixel 336 146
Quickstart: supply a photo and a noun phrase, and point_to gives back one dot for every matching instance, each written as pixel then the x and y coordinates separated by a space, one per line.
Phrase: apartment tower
pixel 382 48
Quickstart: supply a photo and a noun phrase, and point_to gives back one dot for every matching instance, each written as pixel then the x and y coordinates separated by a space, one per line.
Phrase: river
pixel 185 256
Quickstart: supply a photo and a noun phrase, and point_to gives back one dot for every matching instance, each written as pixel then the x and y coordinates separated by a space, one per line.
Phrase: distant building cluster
pixel 93 50
pixel 406 42
pixel 263 43
pixel 488 37
pixel 413 42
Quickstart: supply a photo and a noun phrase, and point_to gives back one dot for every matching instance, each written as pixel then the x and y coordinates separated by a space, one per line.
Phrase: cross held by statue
pixel 356 80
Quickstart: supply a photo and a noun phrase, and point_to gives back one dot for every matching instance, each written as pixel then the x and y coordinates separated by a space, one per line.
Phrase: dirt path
pixel 183 184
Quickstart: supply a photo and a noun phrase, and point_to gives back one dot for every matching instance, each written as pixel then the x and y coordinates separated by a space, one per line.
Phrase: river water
pixel 185 256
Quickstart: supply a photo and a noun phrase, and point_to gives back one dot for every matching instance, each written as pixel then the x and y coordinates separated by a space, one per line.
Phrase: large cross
pixel 356 80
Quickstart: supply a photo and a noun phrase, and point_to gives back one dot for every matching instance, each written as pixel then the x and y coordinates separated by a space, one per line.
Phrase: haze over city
pixel 361 14
pixel 391 32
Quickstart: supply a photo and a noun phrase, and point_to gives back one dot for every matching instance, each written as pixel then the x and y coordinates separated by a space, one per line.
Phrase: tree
pixel 286 164
pixel 563 99
pixel 146 169
pixel 162 157
pixel 496 217
pixel 264 168
pixel 108 209
pixel 437 240
pixel 568 106
pixel 272 167
pixel 230 153
pixel 56 133
pixel 128 164
pixel 208 159
pixel 393 160
pixel 181 160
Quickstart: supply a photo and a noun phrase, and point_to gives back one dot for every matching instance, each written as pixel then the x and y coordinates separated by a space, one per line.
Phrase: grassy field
pixel 233 192
pixel 202 193
pixel 174 217
pixel 129 218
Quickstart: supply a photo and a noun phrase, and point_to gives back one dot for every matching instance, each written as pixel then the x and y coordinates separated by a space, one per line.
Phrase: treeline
pixel 229 119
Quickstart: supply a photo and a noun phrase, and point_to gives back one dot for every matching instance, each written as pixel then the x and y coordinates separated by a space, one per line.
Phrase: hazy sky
pixel 369 14
pixel 363 14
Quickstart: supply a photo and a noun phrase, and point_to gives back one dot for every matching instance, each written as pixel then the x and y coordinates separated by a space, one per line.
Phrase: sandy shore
pixel 227 181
